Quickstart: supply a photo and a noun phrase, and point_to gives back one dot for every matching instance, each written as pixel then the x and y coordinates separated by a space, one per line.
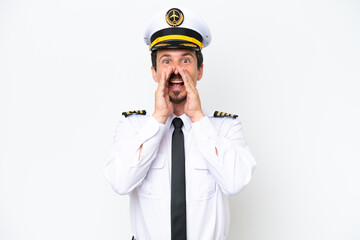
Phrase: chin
pixel 177 98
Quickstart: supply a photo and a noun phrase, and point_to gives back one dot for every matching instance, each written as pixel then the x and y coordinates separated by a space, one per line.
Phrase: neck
pixel 179 109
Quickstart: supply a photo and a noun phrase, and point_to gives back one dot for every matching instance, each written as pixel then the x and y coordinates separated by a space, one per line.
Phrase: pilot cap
pixel 177 28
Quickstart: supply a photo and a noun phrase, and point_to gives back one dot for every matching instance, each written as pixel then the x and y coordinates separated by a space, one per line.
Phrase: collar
pixel 186 120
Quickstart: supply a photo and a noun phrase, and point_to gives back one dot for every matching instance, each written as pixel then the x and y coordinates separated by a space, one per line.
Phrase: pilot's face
pixel 175 59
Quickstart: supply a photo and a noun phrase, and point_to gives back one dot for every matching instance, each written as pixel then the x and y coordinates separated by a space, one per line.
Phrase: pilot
pixel 178 163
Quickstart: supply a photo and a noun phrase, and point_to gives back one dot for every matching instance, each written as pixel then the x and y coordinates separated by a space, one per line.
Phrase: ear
pixel 154 74
pixel 200 73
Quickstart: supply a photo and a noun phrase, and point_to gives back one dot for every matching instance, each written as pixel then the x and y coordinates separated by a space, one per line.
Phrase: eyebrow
pixel 182 55
pixel 165 55
pixel 187 54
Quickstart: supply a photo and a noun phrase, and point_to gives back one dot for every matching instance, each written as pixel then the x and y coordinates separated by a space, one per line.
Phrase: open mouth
pixel 176 80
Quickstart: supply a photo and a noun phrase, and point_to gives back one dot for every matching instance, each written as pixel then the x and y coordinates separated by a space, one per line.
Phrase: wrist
pixel 160 118
pixel 197 116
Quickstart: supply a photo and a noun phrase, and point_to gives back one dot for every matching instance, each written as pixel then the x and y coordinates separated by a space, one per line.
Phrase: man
pixel 178 165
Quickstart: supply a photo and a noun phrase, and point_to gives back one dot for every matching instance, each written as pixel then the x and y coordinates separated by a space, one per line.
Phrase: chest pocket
pixel 203 185
pixel 154 181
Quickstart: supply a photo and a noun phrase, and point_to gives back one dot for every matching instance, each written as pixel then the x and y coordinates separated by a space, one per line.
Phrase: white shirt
pixel 218 163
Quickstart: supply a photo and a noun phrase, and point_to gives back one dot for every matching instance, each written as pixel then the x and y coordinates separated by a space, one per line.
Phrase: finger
pixel 189 84
pixel 161 84
pixel 187 77
pixel 164 78
pixel 169 71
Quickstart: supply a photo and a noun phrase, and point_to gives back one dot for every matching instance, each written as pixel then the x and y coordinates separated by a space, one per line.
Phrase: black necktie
pixel 178 196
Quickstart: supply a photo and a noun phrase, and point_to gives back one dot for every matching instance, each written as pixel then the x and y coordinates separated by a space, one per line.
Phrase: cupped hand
pixel 192 106
pixel 163 106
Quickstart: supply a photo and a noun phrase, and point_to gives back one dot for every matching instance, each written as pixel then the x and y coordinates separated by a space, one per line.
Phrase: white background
pixel 289 69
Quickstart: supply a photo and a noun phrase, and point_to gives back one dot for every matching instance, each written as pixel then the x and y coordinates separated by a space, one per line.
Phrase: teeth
pixel 176 81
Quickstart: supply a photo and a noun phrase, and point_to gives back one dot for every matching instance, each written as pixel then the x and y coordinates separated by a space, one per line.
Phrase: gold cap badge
pixel 174 17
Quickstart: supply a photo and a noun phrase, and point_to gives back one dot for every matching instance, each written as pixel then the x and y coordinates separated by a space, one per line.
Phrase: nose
pixel 175 67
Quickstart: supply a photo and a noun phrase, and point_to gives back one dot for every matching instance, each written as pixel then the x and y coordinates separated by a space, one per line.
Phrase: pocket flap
pixel 199 163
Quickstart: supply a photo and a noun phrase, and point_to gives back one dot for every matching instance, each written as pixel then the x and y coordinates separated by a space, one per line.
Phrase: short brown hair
pixel 199 58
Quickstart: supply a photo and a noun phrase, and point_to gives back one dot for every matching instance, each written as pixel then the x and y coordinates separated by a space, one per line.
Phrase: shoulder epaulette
pixel 138 112
pixel 224 114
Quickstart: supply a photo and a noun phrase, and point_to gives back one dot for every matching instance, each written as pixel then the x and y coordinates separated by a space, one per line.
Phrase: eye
pixel 166 61
pixel 185 60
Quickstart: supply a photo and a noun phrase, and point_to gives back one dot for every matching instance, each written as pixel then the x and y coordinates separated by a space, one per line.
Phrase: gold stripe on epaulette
pixel 137 112
pixel 224 114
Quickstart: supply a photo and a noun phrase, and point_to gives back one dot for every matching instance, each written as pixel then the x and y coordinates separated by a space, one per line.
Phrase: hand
pixel 192 106
pixel 163 106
